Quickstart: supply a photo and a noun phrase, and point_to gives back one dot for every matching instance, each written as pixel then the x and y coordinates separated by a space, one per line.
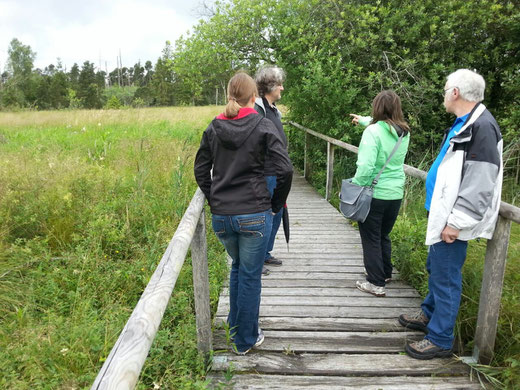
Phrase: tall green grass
pixel 87 209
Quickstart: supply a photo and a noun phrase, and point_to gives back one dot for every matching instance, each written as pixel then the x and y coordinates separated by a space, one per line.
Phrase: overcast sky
pixel 95 30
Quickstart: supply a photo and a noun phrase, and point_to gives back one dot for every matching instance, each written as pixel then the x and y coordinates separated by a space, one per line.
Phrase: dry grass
pixel 196 115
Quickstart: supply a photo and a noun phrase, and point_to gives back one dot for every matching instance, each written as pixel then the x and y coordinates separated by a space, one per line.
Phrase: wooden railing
pixel 495 259
pixel 123 365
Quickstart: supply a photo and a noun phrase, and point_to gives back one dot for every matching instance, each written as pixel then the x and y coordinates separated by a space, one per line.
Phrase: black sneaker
pixel 425 350
pixel 273 261
pixel 418 321
pixel 265 271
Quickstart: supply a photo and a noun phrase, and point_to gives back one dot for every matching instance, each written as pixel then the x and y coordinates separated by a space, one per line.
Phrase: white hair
pixel 470 84
pixel 268 78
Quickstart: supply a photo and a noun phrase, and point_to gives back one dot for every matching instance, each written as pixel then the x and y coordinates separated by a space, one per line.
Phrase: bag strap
pixel 376 179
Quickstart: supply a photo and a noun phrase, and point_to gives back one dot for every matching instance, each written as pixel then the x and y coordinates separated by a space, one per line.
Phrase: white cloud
pixel 76 33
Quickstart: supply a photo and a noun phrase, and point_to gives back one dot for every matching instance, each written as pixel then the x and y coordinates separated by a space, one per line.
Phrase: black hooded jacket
pixel 235 149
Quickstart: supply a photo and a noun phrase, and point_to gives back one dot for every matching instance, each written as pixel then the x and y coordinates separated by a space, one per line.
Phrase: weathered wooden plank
pixel 305 262
pixel 317 255
pixel 325 342
pixel 325 240
pixel 356 269
pixel 323 301
pixel 327 311
pixel 199 260
pixel 345 244
pixel 491 291
pixel 294 382
pixel 329 292
pixel 312 275
pixel 266 282
pixel 338 364
pixel 326 324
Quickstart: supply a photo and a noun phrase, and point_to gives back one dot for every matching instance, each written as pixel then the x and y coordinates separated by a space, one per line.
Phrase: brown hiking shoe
pixel 418 321
pixel 426 350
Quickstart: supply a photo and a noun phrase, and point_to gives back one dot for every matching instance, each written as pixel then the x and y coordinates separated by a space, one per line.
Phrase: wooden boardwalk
pixel 320 331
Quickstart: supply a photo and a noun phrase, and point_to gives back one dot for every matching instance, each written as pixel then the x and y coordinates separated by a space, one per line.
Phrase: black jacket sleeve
pixel 283 167
pixel 203 165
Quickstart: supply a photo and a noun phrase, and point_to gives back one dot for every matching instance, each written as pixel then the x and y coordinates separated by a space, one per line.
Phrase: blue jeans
pixel 271 185
pixel 441 305
pixel 245 239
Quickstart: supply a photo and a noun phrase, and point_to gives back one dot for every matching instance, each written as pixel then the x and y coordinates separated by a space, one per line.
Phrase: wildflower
pixel 64 351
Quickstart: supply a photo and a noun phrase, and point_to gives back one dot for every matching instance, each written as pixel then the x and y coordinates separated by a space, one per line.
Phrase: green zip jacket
pixel 376 144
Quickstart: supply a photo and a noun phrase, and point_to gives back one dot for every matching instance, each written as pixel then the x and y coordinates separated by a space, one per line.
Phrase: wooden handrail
pixel 123 365
pixel 496 251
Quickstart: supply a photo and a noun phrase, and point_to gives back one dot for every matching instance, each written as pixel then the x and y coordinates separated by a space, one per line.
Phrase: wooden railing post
pixel 491 291
pixel 330 170
pixel 306 172
pixel 199 260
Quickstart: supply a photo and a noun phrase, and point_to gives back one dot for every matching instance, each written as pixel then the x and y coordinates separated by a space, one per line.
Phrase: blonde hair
pixel 241 88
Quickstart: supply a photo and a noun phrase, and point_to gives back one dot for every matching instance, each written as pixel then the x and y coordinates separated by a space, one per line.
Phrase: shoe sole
pixel 272 264
pixel 259 343
pixel 414 326
pixel 370 292
pixel 426 356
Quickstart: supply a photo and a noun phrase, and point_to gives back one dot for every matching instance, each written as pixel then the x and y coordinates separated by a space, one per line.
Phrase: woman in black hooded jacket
pixel 229 169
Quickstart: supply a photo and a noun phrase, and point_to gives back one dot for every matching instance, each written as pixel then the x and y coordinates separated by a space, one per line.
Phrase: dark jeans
pixel 377 247
pixel 245 238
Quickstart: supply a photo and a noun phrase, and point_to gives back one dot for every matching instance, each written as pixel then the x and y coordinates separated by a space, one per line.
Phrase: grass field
pixel 88 202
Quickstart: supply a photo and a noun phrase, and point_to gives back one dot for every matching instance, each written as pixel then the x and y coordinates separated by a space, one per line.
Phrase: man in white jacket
pixel 463 189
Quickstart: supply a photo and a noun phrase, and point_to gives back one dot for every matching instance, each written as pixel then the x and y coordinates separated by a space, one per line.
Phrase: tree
pixel 20 86
pixel 90 87
pixel 163 78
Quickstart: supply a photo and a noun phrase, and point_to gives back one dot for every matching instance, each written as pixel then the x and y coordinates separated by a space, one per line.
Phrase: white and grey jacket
pixel 469 180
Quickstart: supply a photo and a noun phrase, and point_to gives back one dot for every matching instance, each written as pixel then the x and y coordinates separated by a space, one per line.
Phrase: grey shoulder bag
pixel 354 200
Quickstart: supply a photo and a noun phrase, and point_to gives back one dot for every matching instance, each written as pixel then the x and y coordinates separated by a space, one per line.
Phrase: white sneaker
pixel 259 340
pixel 371 289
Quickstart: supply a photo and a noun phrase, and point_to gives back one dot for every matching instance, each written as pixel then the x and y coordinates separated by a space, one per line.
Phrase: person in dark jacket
pixel 230 170
pixel 269 81
pixel 463 189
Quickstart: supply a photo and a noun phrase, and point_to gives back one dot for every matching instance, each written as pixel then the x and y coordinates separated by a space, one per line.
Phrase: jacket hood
pixel 233 133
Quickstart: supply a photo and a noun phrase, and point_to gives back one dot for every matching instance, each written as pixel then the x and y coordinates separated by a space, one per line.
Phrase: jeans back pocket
pixel 252 226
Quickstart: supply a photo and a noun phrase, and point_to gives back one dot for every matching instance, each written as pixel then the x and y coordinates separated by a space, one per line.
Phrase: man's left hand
pixel 449 234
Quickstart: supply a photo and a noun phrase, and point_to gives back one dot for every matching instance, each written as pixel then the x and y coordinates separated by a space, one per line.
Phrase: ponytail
pixel 241 88
pixel 232 108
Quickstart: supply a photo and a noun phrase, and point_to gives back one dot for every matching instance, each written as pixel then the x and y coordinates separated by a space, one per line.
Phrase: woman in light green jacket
pixel 379 138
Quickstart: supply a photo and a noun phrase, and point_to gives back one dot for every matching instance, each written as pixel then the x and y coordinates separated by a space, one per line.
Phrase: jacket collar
pixel 465 132
pixel 245 111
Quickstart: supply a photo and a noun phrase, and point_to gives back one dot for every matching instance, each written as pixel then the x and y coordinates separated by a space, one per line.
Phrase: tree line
pixel 54 87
